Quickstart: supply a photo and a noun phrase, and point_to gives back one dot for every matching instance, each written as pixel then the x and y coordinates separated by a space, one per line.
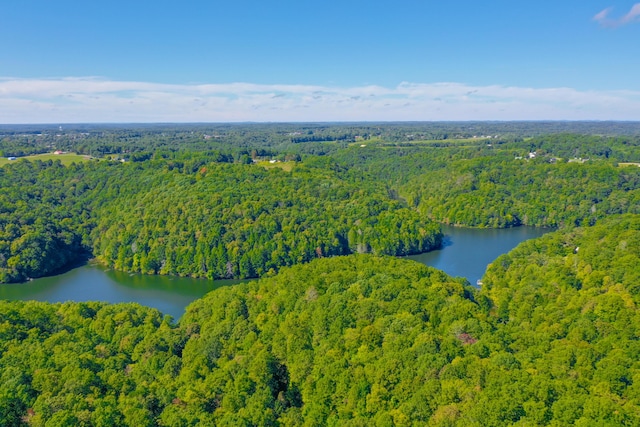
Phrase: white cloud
pixel 632 16
pixel 96 100
pixel 603 16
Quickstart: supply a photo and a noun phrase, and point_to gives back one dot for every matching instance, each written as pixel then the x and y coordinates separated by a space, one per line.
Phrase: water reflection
pixel 466 252
pixel 93 283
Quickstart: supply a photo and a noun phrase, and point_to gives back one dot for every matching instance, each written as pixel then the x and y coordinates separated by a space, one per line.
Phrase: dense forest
pixel 336 331
pixel 197 217
pixel 356 340
pixel 237 214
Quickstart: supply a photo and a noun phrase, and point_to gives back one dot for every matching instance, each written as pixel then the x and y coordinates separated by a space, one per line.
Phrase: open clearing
pixel 66 158
pixel 285 166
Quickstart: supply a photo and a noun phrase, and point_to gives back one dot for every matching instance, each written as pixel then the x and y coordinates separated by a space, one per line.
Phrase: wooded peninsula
pixel 336 329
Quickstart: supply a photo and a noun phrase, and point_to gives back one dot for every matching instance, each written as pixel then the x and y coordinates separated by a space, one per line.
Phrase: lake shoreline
pixel 91 280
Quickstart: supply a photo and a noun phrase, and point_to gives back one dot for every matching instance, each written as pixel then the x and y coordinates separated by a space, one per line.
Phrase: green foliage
pixel 208 214
pixel 490 192
pixel 307 344
pixel 568 302
pixel 41 229
pixel 226 220
pixel 194 217
pixel 551 339
pixel 364 339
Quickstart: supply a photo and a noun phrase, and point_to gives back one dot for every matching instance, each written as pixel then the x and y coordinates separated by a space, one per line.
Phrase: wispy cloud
pixel 90 99
pixel 603 17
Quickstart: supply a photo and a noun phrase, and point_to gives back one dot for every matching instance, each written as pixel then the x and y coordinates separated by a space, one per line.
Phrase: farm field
pixel 285 166
pixel 65 159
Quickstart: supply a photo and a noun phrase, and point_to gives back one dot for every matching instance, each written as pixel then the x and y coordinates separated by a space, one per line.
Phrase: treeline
pixel 244 221
pixel 194 215
pixel 280 138
pixel 492 192
pixel 498 186
pixel 551 339
pixel 623 148
pixel 43 227
pixel 218 214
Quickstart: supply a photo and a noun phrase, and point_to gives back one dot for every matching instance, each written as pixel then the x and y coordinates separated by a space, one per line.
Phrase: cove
pixel 92 282
pixel 466 252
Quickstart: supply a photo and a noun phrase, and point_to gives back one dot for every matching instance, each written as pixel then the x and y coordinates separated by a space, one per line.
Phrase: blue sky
pixel 123 61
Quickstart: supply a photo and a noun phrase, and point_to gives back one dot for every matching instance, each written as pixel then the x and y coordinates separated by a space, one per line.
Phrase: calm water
pixel 170 295
pixel 467 251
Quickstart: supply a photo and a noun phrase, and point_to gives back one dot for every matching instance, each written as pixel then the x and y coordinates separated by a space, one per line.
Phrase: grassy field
pixel 66 158
pixel 452 142
pixel 285 166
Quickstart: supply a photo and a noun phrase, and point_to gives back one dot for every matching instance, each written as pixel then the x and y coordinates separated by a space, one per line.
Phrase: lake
pixel 92 282
pixel 466 253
